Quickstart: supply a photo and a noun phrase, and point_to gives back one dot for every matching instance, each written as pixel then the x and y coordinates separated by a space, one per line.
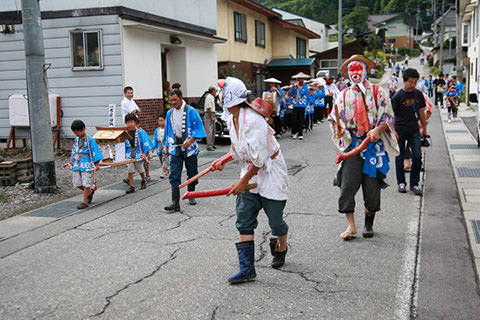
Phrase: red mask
pixel 356 72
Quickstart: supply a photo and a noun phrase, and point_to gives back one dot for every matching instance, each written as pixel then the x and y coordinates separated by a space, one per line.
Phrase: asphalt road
pixel 128 259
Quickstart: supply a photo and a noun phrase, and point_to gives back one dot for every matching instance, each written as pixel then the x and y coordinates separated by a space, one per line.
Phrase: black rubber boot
pixel 191 201
pixel 368 227
pixel 175 206
pixel 279 259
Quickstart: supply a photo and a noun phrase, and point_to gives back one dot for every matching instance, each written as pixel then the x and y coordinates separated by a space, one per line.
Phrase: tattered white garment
pixel 256 144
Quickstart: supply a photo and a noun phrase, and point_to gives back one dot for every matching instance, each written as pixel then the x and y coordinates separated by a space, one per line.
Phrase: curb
pixel 468 188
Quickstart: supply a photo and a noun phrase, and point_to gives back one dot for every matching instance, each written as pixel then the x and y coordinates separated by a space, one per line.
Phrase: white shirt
pixel 210 103
pixel 128 106
pixel 332 89
pixel 177 117
pixel 256 144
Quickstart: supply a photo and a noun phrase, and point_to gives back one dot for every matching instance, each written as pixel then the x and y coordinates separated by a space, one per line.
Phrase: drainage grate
pixel 476 229
pixel 54 211
pixel 457 131
pixel 468 172
pixel 463 146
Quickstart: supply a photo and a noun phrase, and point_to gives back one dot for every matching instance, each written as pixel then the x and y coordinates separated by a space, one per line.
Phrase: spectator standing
pixel 438 85
pixel 276 100
pixel 429 85
pixel 452 97
pixel 183 126
pixel 209 118
pixel 128 105
pixel 331 93
pixel 408 107
pixel 392 85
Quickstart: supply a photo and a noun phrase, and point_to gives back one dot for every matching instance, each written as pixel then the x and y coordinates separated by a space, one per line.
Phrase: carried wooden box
pixel 111 141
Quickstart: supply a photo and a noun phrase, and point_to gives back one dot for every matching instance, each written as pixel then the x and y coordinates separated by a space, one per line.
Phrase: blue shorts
pixel 249 205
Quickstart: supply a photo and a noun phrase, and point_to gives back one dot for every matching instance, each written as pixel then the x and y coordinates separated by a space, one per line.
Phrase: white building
pixel 97 47
pixel 470 13
pixel 315 45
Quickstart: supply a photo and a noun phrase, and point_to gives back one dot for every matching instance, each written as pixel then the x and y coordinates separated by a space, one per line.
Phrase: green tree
pixel 357 20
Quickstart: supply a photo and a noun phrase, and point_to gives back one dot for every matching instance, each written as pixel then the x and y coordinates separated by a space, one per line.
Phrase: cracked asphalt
pixel 128 259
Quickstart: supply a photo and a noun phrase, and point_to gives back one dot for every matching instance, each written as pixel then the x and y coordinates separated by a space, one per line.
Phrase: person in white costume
pixel 262 164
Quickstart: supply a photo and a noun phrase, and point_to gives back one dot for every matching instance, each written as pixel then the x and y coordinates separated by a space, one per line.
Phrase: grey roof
pixel 376 19
pixel 449 17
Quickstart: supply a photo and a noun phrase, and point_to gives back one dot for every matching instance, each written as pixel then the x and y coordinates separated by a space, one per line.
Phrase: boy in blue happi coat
pixel 137 147
pixel 84 160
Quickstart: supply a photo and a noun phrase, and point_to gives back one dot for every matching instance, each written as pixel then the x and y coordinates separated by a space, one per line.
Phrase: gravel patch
pixel 22 197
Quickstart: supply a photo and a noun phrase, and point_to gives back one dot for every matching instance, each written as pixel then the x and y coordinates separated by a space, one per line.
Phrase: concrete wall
pixel 85 94
pixel 193 63
pixel 197 12
pixel 237 51
pixel 284 43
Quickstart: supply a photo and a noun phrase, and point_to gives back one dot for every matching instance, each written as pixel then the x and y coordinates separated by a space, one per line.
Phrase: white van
pixel 323 73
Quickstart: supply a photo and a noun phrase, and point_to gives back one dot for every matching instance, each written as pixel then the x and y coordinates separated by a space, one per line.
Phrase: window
pixel 259 33
pixel 240 21
pixel 392 41
pixel 465 35
pixel 87 50
pixel 301 48
pixel 328 64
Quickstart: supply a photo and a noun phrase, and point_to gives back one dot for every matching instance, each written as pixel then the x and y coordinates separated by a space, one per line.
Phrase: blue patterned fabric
pixel 319 97
pixel 81 160
pixel 157 144
pixel 194 128
pixel 142 143
pixel 303 96
pixel 375 159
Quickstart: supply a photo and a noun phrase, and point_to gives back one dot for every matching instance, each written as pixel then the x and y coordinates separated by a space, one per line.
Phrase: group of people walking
pixel 368 124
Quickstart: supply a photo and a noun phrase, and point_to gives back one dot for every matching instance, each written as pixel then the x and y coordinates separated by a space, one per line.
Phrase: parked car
pixel 323 73
pixel 221 129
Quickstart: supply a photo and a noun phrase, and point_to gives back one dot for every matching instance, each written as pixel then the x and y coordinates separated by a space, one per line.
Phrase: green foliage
pixel 357 20
pixel 326 11
pixel 434 70
pixel 3 197
pixel 234 72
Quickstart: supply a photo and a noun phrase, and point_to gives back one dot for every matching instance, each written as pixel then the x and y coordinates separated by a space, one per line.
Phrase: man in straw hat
pixel 275 97
pixel 362 110
pixel 262 167
pixel 300 97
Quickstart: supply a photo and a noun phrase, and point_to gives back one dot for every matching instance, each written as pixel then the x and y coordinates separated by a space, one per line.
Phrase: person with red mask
pixel 362 110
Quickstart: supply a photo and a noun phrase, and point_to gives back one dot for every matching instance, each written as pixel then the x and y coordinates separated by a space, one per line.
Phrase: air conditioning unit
pixel 18 110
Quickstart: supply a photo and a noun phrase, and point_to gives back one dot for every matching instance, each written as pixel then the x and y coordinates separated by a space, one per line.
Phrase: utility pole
pixel 459 51
pixel 340 35
pixel 39 114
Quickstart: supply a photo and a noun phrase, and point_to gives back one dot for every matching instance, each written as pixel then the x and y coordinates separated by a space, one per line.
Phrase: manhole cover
pixel 54 211
pixel 468 172
pixel 476 229
pixel 463 146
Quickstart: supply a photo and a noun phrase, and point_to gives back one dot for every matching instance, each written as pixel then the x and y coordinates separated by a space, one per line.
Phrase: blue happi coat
pixel 319 97
pixel 158 144
pixel 81 159
pixel 141 139
pixel 375 159
pixel 194 128
pixel 302 95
